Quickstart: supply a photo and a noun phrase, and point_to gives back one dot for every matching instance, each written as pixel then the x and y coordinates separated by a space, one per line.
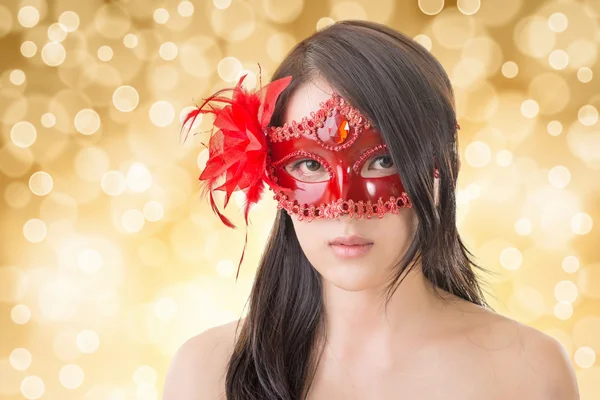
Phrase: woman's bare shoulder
pixel 197 370
pixel 544 365
pixel 530 359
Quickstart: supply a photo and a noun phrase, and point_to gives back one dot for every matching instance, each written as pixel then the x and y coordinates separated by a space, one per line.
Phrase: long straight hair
pixel 405 92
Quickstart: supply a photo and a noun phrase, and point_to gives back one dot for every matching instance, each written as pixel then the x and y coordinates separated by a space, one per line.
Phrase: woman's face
pixel 390 235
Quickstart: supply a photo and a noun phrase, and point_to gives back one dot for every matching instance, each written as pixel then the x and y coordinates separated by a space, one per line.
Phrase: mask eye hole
pixel 308 170
pixel 378 166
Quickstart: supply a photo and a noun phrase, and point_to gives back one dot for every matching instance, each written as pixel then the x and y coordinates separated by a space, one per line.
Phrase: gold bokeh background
pixel 110 259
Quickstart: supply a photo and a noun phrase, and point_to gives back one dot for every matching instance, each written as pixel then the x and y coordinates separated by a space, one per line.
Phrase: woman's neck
pixel 357 323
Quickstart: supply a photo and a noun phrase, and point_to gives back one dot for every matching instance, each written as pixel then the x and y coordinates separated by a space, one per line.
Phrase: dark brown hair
pixel 405 92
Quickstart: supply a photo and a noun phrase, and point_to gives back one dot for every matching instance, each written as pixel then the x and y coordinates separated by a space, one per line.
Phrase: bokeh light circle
pixel 105 53
pixel 41 183
pixel 162 113
pixel 53 54
pixel 20 314
pixel 132 221
pixel 71 376
pixel 87 121
pixel 125 98
pixel 229 69
pixel 585 357
pixel 69 20
pixel 570 264
pixel 565 291
pixel 28 16
pixel 34 230
pixel 23 134
pixel 20 359
pixel 581 223
pixel 17 77
pixel 478 154
pixel 28 49
pixel 32 387
pixel 563 310
pixel 185 8
pixel 113 183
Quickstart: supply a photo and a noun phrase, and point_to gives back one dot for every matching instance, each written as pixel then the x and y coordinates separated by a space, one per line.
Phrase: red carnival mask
pixel 337 139
pixel 348 151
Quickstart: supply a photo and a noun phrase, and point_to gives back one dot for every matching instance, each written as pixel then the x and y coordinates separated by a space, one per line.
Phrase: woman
pixel 365 289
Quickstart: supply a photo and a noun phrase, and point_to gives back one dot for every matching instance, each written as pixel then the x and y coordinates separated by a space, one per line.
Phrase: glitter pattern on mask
pixel 341 207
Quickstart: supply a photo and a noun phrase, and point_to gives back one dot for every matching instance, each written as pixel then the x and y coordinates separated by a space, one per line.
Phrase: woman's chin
pixel 350 277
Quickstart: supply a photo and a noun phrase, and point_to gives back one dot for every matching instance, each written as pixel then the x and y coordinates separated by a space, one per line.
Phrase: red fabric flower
pixel 238 150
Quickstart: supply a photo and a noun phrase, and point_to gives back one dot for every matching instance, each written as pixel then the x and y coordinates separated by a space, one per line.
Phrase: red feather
pixel 238 149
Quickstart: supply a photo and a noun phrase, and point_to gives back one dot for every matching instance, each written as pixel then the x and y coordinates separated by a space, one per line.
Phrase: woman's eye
pixel 379 166
pixel 384 162
pixel 311 165
pixel 307 170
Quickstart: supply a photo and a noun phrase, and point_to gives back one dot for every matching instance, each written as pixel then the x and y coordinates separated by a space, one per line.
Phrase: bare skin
pixel 466 352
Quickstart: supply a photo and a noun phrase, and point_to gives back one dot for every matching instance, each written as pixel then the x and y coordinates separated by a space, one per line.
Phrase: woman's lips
pixel 350 251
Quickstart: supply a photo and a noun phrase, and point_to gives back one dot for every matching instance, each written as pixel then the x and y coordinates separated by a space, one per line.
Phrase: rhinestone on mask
pixel 316 120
